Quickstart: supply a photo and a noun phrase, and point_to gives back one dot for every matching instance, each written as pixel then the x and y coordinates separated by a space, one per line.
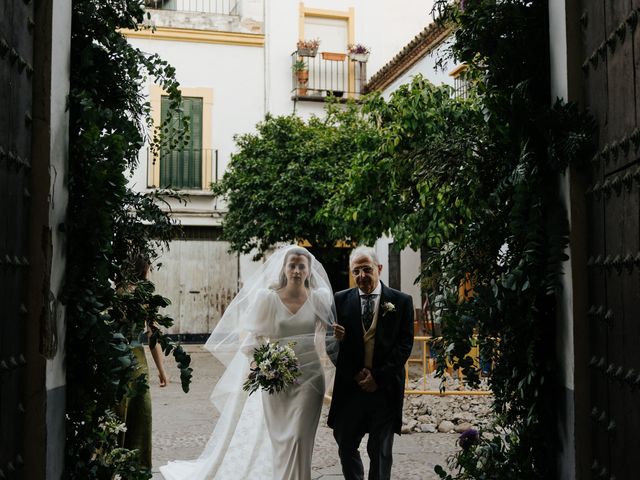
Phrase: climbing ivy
pixel 108 227
pixel 511 249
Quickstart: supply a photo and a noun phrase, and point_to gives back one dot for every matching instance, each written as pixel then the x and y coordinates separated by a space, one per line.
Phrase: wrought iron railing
pixel 461 86
pixel 182 169
pixel 217 7
pixel 326 74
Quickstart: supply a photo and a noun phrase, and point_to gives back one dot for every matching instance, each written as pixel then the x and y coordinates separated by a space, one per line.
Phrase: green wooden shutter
pixel 182 166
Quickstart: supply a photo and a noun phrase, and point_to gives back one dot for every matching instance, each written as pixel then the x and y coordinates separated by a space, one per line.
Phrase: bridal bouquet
pixel 273 369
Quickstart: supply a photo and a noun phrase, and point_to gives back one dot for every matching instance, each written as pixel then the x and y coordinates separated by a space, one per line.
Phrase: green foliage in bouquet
pixel 273 369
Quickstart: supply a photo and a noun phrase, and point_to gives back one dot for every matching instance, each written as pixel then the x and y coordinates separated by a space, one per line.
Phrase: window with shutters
pixel 192 164
pixel 181 167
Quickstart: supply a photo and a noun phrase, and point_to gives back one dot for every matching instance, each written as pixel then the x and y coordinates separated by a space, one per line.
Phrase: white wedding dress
pixel 263 436
pixel 292 416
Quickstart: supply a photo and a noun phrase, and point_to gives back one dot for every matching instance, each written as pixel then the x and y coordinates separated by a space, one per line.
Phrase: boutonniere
pixel 388 307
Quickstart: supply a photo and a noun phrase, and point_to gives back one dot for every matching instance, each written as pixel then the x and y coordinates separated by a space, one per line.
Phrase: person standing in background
pixel 135 411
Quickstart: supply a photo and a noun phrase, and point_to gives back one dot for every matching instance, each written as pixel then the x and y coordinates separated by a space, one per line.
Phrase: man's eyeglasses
pixel 357 271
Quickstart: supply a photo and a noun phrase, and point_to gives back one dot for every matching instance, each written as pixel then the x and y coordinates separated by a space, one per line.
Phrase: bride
pixel 268 436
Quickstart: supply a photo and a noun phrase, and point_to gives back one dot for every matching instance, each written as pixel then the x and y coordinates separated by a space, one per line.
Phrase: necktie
pixel 367 311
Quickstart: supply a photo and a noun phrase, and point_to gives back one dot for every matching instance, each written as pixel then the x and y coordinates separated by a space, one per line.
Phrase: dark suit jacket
pixel 393 344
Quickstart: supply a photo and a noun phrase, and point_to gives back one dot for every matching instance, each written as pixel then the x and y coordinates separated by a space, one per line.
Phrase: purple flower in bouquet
pixel 468 438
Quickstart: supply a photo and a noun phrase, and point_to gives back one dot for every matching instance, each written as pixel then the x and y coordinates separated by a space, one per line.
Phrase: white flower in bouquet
pixel 273 369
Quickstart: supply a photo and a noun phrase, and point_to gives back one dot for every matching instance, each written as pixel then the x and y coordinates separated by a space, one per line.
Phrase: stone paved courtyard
pixel 183 422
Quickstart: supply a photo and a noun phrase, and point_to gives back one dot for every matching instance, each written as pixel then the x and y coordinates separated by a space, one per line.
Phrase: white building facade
pixel 234 61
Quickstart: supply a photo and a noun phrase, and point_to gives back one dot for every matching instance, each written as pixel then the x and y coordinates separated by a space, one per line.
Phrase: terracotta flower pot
pixel 302 76
pixel 337 57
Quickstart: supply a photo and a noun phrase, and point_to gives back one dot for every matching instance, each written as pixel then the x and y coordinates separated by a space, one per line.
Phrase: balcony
pixel 182 169
pixel 327 74
pixel 218 7
pixel 240 16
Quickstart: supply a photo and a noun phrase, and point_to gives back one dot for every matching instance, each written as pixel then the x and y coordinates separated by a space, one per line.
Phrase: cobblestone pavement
pixel 183 422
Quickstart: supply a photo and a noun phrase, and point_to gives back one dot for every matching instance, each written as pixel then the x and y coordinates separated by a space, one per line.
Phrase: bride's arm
pixel 325 342
pixel 258 323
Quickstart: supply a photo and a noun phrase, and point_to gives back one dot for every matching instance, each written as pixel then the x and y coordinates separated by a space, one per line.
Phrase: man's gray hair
pixel 364 251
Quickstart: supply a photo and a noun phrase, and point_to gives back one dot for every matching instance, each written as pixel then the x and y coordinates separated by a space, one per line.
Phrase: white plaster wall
pixel 558 49
pixel 382 250
pixel 409 268
pixel 388 26
pixel 60 68
pixel 565 345
pixel 559 88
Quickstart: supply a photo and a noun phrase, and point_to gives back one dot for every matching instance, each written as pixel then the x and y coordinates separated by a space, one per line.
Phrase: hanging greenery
pixel 510 251
pixel 108 228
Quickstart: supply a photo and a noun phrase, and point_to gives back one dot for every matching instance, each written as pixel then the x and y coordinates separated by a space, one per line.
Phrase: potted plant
pixel 308 48
pixel 358 52
pixel 301 70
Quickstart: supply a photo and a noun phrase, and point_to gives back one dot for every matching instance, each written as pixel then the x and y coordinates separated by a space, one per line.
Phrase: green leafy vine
pixel 512 246
pixel 108 228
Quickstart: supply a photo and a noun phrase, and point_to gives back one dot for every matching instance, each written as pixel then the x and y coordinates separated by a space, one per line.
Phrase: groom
pixel 375 330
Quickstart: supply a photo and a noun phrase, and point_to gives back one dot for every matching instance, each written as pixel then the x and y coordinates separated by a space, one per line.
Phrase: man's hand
pixel 338 331
pixel 366 381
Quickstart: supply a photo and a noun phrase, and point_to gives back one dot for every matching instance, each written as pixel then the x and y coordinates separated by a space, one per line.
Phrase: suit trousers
pixel 365 412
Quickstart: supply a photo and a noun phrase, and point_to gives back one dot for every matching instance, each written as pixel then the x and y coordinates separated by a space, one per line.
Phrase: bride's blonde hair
pixel 282 278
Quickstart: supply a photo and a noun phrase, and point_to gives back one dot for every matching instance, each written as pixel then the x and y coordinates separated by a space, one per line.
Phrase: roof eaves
pixel 423 43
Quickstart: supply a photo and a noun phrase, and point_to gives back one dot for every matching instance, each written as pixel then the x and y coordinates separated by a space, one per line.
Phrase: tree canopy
pixel 408 185
pixel 282 175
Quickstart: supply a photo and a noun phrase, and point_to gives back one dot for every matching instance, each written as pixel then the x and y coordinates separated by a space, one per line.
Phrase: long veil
pixel 239 446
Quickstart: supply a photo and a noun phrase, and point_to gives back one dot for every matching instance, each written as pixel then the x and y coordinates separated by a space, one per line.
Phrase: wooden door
pixel 16 72
pixel 200 277
pixel 611 54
